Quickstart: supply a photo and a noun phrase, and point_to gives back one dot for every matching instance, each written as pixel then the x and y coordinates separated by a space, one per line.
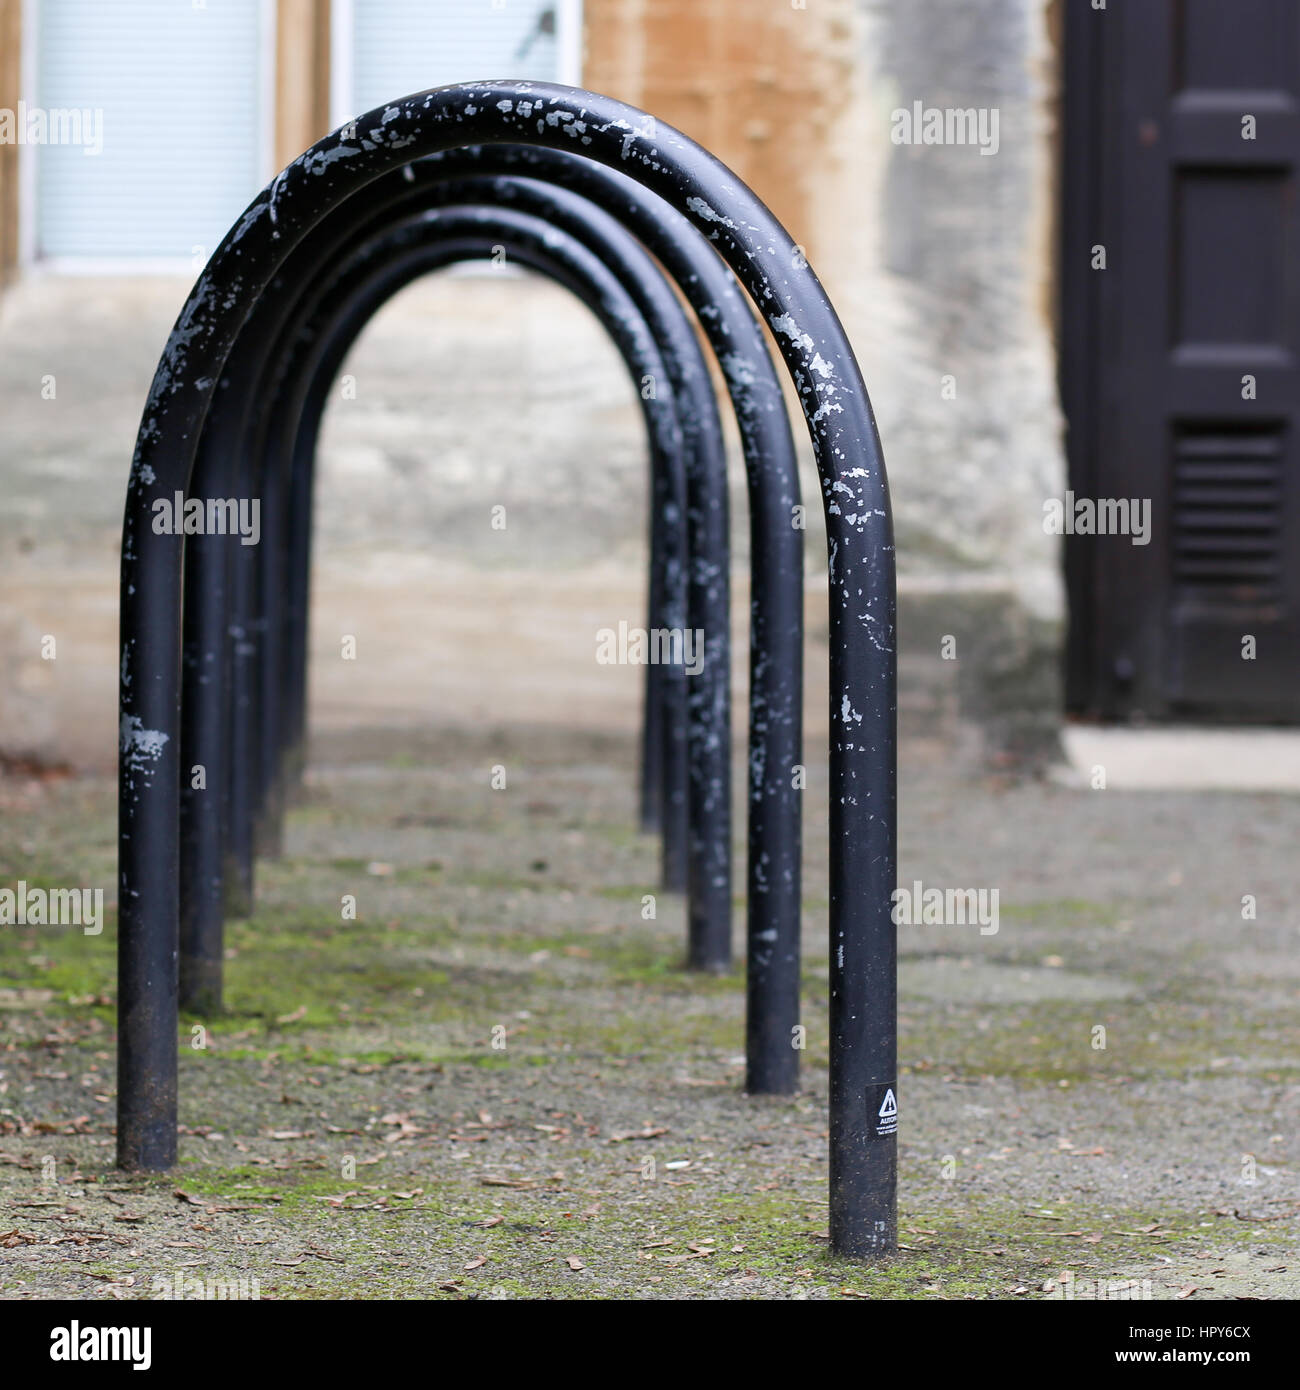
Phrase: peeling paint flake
pixel 783 323
pixel 710 214
pixel 139 746
pixel 321 160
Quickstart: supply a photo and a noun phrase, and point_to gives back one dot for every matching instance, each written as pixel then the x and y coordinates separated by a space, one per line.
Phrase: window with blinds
pixel 182 92
pixel 390 48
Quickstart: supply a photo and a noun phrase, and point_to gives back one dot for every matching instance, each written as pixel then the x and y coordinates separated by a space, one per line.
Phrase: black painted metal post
pixel 148 838
pixel 650 801
pixel 202 770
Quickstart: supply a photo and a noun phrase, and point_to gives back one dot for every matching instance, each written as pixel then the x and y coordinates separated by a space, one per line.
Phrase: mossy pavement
pixel 499 1082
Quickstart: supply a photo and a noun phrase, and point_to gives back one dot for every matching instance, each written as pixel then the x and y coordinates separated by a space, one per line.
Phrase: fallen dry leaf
pixel 649 1132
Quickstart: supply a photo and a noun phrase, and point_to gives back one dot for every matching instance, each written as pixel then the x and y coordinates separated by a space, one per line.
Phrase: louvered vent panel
pixel 1227 513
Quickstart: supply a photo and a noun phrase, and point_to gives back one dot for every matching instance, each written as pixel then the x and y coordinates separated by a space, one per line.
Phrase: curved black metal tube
pixel 335 302
pixel 776 580
pixel 776 547
pixel 281 403
pixel 863 668
pixel 685 371
pixel 224 439
pixel 708 725
pixel 630 300
pixel 299 437
pixel 225 742
pixel 294 405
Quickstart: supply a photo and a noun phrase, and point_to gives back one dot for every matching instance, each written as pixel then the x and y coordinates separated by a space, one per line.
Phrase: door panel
pixel 1193 129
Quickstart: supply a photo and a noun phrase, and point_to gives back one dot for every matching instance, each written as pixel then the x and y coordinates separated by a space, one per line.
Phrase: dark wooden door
pixel 1181 356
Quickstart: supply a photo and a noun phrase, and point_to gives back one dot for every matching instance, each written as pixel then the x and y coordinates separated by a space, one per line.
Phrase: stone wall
pixel 938 257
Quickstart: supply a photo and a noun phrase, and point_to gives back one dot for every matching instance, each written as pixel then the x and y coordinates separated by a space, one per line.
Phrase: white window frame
pixel 568 48
pixel 29 262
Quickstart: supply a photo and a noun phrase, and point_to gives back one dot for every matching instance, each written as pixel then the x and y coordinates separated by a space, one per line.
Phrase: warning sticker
pixel 882 1113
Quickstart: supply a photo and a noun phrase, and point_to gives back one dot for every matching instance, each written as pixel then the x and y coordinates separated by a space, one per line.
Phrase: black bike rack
pixel 312 210
pixel 372 275
pixel 306 374
pixel 776 671
pixel 690 864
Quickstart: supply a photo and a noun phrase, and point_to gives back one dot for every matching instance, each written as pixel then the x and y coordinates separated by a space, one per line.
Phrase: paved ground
pixel 350 1130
